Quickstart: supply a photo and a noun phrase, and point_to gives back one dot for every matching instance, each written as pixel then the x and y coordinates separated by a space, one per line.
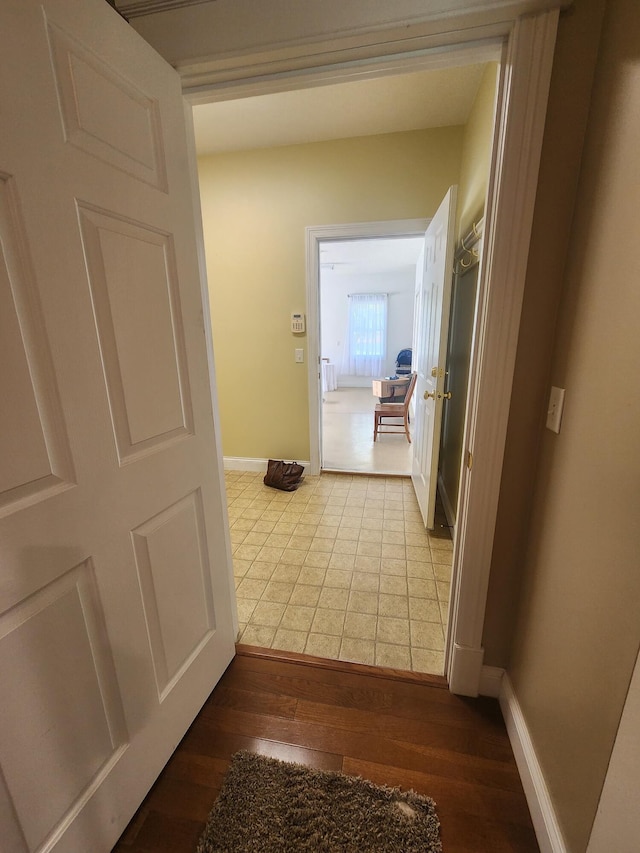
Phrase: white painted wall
pixel 335 285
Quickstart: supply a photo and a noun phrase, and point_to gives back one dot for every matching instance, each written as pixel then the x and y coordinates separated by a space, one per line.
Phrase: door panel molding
pixel 78 71
pixel 33 416
pixel 179 607
pixel 67 616
pixel 137 346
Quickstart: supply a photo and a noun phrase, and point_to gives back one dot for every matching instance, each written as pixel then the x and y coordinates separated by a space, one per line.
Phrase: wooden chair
pixel 394 410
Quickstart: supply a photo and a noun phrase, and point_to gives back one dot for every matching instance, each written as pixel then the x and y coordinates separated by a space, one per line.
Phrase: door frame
pixel 525 47
pixel 314 235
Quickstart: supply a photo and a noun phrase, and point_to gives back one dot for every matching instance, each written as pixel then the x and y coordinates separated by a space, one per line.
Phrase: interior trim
pixel 491 681
pixel 545 821
pixel 314 235
pixel 137 8
pixel 247 463
pixel 431 32
pixel 204 84
pixel 523 90
pixel 342 666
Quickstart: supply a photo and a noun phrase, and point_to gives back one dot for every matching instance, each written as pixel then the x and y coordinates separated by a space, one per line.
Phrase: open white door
pixel 115 594
pixel 433 301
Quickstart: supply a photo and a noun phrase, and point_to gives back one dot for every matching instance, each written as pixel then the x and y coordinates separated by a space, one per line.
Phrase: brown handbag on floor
pixel 283 475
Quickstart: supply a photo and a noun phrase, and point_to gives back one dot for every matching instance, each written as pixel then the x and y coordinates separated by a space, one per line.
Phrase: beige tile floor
pixel 347 436
pixel 341 568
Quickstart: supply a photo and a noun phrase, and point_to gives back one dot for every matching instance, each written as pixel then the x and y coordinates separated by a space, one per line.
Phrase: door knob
pixel 446 396
pixel 428 394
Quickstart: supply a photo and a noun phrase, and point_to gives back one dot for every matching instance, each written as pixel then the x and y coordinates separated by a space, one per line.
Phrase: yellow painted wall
pixel 476 153
pixel 256 206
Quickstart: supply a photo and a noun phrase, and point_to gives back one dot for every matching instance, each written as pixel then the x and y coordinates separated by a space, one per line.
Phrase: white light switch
pixel 554 412
pixel 299 356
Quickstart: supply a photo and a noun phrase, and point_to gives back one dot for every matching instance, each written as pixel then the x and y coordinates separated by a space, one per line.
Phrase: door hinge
pixel 469 459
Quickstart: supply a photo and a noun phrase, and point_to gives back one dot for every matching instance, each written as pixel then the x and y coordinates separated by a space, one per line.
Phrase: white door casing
pixel 433 304
pixel 115 601
pixel 315 235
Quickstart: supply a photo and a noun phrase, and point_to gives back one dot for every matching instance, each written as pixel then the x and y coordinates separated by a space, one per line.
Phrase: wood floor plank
pixel 211 741
pixel 455 796
pixel 428 733
pixel 357 689
pixel 162 833
pixel 379 697
pixel 359 744
pixel 182 798
pixel 247 698
pixel 394 732
pixel 204 770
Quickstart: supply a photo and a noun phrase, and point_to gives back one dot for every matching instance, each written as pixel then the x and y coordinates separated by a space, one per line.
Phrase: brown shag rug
pixel 270 806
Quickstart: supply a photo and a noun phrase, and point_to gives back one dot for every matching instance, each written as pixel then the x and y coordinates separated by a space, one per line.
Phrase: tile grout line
pixel 321 500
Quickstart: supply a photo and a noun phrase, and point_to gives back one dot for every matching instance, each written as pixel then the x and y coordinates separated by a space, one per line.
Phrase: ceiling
pixel 440 97
pixel 374 255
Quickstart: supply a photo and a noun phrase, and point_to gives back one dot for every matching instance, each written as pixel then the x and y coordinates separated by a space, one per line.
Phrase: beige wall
pixel 256 205
pixel 578 627
pixel 476 152
pixel 567 113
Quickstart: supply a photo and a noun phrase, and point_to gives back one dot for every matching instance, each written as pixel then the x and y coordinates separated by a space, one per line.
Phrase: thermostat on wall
pixel 297 323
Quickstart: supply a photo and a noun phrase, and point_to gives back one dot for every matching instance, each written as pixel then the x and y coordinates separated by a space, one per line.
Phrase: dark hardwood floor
pixel 394 729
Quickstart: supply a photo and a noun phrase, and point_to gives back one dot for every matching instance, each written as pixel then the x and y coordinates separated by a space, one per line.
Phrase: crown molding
pixel 138 8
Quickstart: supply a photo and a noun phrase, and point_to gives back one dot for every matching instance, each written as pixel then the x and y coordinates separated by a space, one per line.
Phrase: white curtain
pixel 367 340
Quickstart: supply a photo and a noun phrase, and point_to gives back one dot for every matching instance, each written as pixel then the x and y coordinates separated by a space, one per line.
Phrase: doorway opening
pixel 305 579
pixel 519 106
pixel 366 295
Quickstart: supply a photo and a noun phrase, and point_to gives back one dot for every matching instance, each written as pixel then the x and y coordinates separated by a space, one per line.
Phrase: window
pixel 367 341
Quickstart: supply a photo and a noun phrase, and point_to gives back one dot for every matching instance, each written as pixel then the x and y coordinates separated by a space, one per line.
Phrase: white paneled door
pixel 433 301
pixel 115 598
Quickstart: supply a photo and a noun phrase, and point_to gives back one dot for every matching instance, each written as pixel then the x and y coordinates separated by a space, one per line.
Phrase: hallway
pixel 453 749
pixel 341 568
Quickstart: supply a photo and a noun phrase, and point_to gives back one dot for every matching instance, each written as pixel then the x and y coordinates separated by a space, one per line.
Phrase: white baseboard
pixel 465 669
pixel 245 463
pixel 543 814
pixel 491 681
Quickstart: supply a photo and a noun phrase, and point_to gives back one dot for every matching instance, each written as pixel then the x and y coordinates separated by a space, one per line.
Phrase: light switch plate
pixel 299 356
pixel 554 412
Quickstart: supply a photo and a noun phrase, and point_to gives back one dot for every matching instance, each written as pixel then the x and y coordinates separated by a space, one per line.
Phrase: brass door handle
pixel 436 395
